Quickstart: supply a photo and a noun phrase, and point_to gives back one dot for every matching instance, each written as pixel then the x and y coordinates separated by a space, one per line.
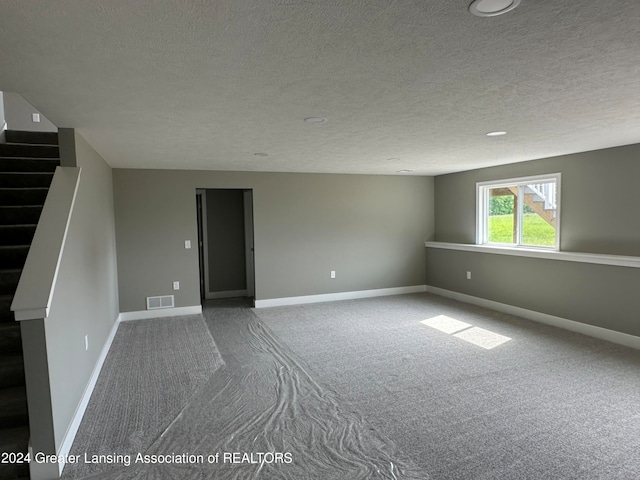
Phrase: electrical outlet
pixel 35 117
pixel 468 275
pixel 176 285
pixel 86 342
pixel 187 244
pixel 333 274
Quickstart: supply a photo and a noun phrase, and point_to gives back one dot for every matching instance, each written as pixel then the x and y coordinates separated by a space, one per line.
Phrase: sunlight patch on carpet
pixel 445 324
pixel 465 331
pixel 483 338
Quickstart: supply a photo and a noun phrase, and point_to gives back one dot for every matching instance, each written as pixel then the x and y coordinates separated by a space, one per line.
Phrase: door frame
pixel 249 291
pixel 249 250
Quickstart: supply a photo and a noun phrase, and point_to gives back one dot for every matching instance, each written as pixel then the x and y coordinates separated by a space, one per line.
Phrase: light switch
pixel 187 244
pixel 35 117
pixel 176 285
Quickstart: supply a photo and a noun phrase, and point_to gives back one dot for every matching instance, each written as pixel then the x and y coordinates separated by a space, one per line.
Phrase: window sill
pixel 597 258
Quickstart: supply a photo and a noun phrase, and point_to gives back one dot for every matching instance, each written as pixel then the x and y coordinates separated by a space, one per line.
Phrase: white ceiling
pixel 206 84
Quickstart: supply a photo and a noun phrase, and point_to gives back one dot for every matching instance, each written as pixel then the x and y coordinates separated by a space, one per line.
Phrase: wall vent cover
pixel 164 301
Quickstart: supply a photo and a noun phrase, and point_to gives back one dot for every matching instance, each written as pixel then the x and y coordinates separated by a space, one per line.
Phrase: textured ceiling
pixel 207 84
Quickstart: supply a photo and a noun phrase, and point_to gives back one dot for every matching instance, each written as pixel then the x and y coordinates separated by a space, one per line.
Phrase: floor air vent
pixel 164 301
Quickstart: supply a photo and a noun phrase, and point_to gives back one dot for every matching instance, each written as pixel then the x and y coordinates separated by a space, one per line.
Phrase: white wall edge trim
pixel 161 313
pixel 590 330
pixel 332 297
pixel 597 258
pixel 70 436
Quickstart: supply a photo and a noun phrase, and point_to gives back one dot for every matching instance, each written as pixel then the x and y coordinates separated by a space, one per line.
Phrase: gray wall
pixel 370 229
pixel 17 112
pixel 600 213
pixel 85 300
pixel 225 236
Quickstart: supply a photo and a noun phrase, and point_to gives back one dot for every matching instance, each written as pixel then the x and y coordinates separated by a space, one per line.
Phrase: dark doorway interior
pixel 225 238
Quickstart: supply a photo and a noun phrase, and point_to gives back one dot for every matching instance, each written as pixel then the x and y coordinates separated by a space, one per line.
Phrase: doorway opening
pixel 225 243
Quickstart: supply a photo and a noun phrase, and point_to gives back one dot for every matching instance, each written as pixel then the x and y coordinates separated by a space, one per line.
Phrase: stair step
pixel 25 179
pixel 29 151
pixel 20 215
pixel 13 164
pixel 9 278
pixel 13 407
pixel 38 138
pixel 11 372
pixel 17 234
pixel 6 315
pixel 23 196
pixel 14 440
pixel 10 340
pixel 13 256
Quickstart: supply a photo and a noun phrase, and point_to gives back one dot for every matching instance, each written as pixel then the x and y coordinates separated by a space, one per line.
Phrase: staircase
pixel 541 198
pixel 27 163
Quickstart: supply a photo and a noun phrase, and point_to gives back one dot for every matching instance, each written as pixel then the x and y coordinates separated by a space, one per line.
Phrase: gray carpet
pixel 260 401
pixel 546 404
pixel 153 368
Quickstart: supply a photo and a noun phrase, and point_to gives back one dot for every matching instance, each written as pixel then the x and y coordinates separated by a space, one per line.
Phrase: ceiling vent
pixel 164 301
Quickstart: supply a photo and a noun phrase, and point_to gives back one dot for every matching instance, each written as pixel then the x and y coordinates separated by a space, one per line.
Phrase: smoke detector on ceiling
pixel 491 8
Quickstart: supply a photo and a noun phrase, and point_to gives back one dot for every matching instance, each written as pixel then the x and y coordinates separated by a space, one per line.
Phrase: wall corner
pixel 67 143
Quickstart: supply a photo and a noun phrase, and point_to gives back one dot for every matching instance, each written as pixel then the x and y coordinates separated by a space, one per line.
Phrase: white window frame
pixel 482 208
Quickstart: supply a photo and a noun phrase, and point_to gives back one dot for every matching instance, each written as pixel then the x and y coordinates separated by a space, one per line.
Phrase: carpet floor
pixel 404 387
pixel 547 403
pixel 260 415
pixel 151 371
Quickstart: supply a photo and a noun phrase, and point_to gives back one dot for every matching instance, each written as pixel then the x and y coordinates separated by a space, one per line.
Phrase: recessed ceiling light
pixel 315 120
pixel 405 171
pixel 496 134
pixel 261 154
pixel 394 159
pixel 491 8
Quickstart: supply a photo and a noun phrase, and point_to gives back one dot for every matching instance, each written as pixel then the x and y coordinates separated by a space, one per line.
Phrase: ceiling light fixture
pixel 405 171
pixel 492 8
pixel 496 134
pixel 315 120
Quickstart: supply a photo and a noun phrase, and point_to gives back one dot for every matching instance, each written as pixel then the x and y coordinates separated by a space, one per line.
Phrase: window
pixel 520 212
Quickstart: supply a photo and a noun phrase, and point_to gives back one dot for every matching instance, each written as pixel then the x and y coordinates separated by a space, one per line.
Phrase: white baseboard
pixel 332 297
pixel 583 328
pixel 161 313
pixel 70 436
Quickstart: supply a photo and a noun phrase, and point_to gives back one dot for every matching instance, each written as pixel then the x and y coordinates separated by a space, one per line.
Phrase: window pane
pixel 501 225
pixel 539 215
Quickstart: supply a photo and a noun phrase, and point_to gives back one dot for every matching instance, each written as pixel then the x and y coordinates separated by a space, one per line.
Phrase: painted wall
pixel 225 236
pixel 18 111
pixel 370 229
pixel 85 300
pixel 600 205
